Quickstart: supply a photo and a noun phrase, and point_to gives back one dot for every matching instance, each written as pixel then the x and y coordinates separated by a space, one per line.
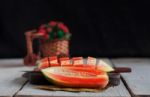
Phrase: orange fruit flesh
pixel 77 77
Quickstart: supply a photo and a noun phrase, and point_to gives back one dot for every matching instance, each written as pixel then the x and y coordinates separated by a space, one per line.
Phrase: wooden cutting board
pixel 37 78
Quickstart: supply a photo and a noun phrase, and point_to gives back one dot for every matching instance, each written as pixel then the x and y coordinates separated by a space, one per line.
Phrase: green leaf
pixel 60 34
pixel 51 35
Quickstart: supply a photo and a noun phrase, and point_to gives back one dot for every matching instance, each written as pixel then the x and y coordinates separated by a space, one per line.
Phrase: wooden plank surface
pixel 10 76
pixel 138 81
pixel 29 91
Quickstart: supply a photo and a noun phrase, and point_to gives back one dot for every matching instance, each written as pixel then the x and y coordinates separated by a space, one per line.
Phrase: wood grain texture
pixel 29 91
pixel 138 81
pixel 10 76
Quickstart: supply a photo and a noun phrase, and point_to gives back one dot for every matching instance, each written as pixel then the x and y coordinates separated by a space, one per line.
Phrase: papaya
pixel 47 62
pixel 53 60
pixel 42 65
pixel 91 61
pixel 102 65
pixel 76 77
pixel 65 61
pixel 76 62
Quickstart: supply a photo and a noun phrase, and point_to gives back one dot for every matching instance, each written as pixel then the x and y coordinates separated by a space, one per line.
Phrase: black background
pixel 116 28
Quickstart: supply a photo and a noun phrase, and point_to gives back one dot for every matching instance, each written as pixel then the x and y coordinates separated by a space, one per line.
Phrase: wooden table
pixel 137 83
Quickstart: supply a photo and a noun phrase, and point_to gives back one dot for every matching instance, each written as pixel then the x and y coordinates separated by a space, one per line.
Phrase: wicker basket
pixel 55 47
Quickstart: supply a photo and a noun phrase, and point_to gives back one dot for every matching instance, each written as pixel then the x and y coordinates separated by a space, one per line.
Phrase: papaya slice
pixel 43 63
pixel 47 62
pixel 77 61
pixel 76 77
pixel 53 60
pixel 102 65
pixel 91 61
pixel 65 61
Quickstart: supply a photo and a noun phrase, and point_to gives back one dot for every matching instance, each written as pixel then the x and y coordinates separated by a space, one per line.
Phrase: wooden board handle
pixel 121 70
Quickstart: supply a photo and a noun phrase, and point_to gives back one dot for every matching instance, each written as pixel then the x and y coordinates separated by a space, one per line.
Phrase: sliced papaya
pixel 91 61
pixel 65 61
pixel 47 62
pixel 78 77
pixel 77 61
pixel 43 63
pixel 102 65
pixel 53 60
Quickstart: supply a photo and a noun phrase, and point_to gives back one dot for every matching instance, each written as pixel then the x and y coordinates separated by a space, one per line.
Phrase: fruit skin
pixel 77 77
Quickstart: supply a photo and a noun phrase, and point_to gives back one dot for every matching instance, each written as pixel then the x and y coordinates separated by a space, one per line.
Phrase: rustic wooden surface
pixel 10 77
pixel 138 81
pixel 29 91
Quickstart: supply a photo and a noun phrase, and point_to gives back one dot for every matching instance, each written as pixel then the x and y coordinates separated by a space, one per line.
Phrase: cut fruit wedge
pixel 47 62
pixel 65 61
pixel 77 61
pixel 53 60
pixel 102 65
pixel 91 61
pixel 76 77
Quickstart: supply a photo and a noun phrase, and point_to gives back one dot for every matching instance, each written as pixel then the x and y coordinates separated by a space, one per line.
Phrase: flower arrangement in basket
pixel 54 41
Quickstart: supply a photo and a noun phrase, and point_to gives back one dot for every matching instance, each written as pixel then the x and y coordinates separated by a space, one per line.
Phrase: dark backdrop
pixel 100 28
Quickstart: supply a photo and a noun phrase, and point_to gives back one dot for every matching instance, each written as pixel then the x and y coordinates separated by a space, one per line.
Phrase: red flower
pixel 46 30
pixel 53 23
pixel 49 29
pixel 60 25
pixel 63 27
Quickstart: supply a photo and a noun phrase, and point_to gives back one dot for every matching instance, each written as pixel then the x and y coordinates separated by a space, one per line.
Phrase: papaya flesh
pixel 104 66
pixel 52 62
pixel 45 63
pixel 76 77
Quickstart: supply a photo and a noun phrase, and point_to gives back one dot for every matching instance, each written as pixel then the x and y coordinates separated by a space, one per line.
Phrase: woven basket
pixel 55 47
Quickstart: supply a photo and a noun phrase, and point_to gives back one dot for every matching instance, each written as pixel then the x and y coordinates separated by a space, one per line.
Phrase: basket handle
pixel 30 58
